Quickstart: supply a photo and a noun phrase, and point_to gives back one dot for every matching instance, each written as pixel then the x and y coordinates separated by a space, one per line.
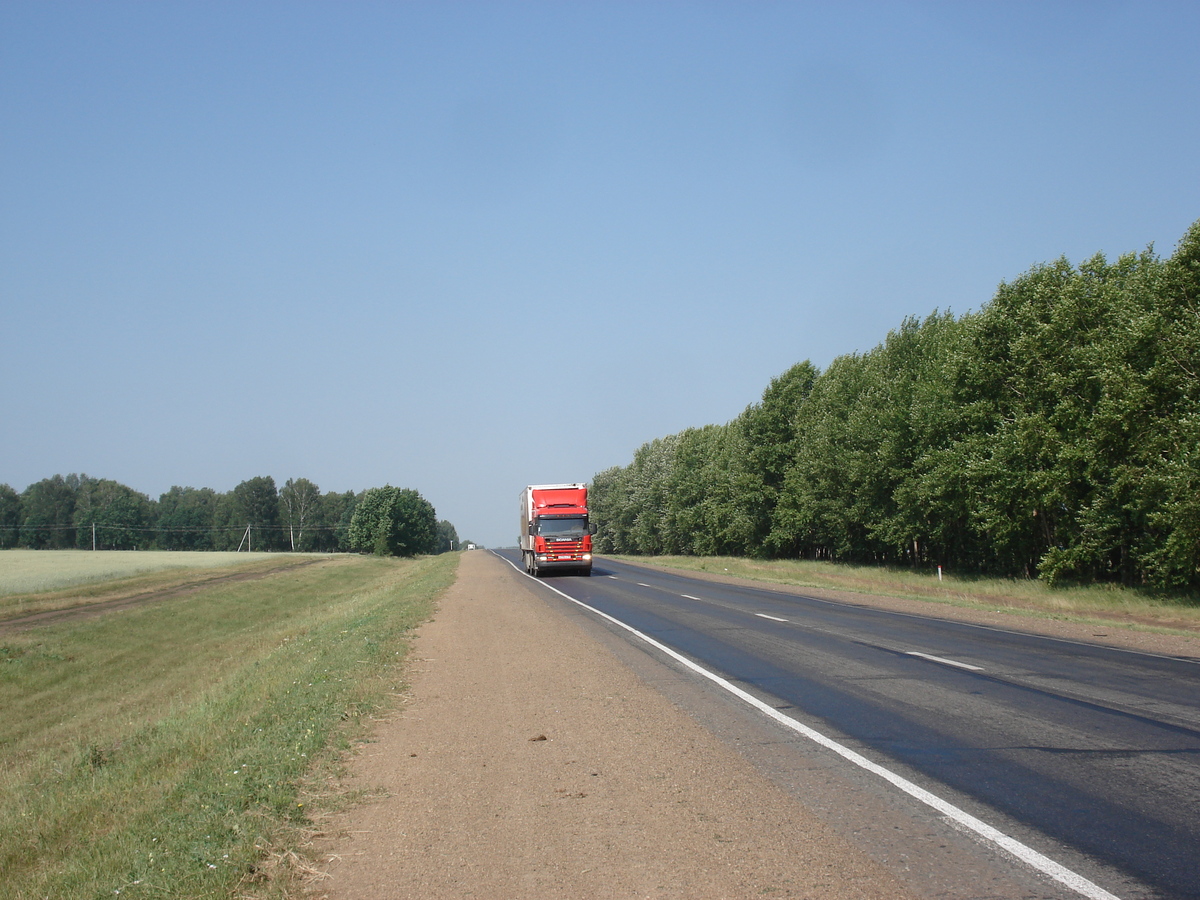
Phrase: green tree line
pixel 80 511
pixel 1055 433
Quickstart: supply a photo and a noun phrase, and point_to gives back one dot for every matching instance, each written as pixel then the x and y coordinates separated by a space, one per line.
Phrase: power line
pixel 168 529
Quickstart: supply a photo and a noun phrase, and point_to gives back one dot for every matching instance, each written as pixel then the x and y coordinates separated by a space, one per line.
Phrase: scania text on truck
pixel 555 534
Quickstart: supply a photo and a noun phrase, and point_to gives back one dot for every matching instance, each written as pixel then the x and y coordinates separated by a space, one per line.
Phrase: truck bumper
pixel 549 562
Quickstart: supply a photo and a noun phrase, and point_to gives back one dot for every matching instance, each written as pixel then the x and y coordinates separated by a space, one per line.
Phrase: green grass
pixel 163 751
pixel 1107 603
pixel 37 571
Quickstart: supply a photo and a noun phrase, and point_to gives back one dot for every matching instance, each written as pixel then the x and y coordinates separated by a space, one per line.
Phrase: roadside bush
pixel 390 521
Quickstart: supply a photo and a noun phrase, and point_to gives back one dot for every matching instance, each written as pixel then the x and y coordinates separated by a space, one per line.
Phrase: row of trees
pixel 1053 433
pixel 81 511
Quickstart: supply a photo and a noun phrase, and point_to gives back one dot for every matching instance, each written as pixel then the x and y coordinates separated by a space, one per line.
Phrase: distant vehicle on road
pixel 555 534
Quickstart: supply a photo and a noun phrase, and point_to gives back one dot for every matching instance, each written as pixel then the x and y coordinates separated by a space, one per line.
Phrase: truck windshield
pixel 563 529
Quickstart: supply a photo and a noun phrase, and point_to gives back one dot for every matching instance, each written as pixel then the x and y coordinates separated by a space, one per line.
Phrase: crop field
pixel 175 747
pixel 36 571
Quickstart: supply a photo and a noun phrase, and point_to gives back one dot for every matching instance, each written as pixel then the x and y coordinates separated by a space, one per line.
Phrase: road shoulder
pixel 529 760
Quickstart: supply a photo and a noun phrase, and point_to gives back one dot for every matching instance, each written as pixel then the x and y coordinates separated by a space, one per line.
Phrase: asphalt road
pixel 1067 744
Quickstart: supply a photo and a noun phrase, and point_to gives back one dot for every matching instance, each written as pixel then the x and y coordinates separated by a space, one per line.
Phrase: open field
pixel 38 571
pixel 165 749
pixel 75 579
pixel 1109 604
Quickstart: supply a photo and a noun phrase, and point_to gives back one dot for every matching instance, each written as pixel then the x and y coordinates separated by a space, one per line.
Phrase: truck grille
pixel 564 550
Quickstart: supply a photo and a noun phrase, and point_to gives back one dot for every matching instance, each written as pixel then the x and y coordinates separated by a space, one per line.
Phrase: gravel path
pixel 531 762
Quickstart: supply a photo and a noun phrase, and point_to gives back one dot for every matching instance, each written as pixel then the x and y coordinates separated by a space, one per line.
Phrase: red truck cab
pixel 555 533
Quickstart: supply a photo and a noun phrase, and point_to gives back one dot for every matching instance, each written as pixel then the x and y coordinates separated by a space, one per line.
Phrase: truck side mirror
pixel 591 528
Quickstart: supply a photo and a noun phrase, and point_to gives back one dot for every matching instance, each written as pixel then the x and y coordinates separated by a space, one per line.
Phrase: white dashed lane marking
pixel 945 662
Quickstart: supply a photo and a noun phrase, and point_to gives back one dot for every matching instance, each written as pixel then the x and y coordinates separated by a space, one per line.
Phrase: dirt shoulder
pixel 529 761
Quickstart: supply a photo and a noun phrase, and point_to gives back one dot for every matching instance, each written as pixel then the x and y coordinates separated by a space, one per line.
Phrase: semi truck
pixel 555 534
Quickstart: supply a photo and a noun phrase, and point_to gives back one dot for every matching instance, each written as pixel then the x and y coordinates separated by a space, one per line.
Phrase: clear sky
pixel 462 247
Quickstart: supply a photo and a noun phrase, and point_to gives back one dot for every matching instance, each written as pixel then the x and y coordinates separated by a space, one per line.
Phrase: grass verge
pixel 1103 603
pixel 162 751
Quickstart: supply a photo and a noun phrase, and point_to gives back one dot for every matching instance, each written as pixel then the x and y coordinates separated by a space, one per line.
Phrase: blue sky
pixel 464 247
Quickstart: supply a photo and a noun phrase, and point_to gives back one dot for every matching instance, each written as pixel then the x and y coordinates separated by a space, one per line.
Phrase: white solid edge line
pixel 1026 854
pixel 939 659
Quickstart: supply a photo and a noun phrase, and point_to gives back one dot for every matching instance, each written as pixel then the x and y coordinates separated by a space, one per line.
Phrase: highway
pixel 1071 745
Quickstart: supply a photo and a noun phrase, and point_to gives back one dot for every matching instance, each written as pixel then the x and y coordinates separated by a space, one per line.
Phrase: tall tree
pixel 187 518
pixel 609 509
pixel 253 505
pixel 391 521
pixel 769 431
pixel 817 512
pixel 447 537
pixel 10 517
pixel 300 501
pixel 1175 476
pixel 111 516
pixel 336 513
pixel 48 513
